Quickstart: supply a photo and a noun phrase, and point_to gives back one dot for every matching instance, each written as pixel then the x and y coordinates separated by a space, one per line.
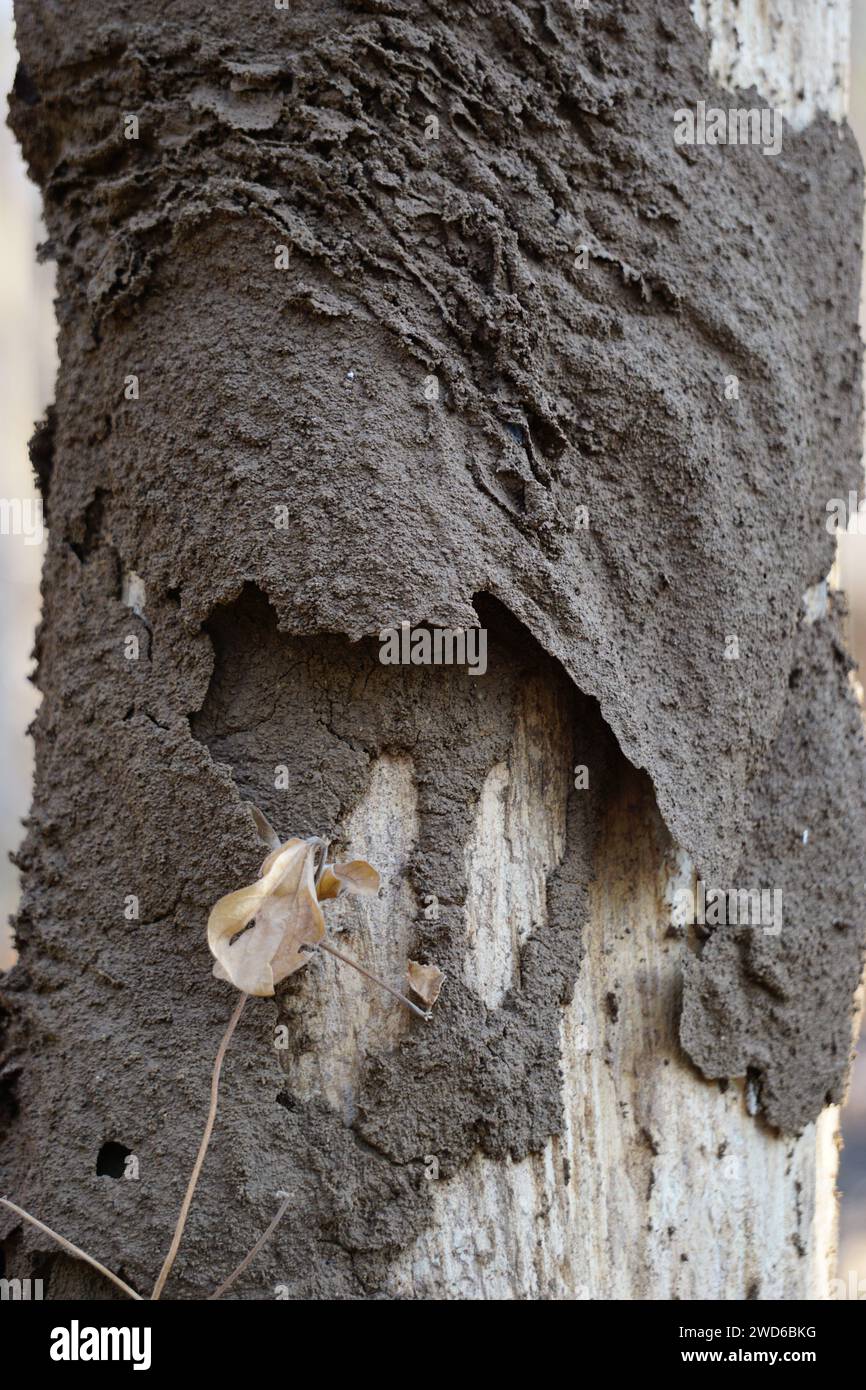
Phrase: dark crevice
pixel 92 530
pixel 41 450
pixel 111 1160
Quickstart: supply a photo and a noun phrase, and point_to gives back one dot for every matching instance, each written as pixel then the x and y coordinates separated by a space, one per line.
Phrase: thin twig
pixel 251 1255
pixel 73 1249
pixel 347 960
pixel 202 1149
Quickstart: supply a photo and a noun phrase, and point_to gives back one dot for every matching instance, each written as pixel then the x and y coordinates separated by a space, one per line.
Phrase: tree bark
pixel 276 434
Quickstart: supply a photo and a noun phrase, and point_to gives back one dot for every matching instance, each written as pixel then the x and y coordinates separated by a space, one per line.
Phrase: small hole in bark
pixel 111 1160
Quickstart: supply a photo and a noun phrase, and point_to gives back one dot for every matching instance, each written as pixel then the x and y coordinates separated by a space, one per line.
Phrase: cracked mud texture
pixel 558 388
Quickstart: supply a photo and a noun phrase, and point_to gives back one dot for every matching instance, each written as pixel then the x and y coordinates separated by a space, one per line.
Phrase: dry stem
pixel 202 1150
pixel 250 1256
pixel 73 1249
pixel 347 960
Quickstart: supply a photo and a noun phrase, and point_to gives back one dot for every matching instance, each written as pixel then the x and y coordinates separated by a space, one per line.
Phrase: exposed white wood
pixel 661 1185
pixel 345 1018
pixel 519 837
pixel 796 52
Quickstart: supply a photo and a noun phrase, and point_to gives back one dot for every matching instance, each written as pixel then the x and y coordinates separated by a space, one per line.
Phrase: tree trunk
pixel 416 312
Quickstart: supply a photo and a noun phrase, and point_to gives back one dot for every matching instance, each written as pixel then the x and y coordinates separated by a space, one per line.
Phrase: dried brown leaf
pixel 356 876
pixel 286 914
pixel 425 981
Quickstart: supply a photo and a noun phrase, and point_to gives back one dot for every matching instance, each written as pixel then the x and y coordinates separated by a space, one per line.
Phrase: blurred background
pixel 27 368
pixel 852 578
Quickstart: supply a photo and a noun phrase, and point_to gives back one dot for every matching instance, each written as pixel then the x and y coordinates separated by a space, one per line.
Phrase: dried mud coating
pixel 409 258
pixel 777 1008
